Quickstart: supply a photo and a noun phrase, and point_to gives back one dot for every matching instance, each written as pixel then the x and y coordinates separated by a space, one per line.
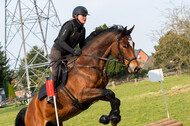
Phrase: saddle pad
pixel 42 93
pixel 63 80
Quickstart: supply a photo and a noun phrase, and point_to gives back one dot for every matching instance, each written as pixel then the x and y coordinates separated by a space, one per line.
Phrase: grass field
pixel 140 104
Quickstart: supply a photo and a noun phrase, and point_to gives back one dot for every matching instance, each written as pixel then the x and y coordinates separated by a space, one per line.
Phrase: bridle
pixel 119 53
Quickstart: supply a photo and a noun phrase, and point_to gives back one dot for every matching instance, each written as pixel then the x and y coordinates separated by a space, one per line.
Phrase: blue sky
pixel 146 15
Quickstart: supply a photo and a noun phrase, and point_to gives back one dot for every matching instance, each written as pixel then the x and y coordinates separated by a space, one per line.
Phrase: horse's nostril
pixel 136 69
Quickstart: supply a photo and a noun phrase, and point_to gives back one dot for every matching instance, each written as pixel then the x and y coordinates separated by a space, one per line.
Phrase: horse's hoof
pixel 104 119
pixel 115 119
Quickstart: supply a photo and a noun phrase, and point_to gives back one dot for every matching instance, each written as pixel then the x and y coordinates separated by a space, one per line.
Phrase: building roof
pixel 1 89
pixel 149 63
pixel 137 51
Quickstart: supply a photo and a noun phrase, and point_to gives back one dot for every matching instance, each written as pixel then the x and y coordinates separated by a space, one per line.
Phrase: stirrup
pixel 50 99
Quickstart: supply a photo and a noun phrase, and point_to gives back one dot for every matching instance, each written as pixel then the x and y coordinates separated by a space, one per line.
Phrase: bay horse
pixel 86 82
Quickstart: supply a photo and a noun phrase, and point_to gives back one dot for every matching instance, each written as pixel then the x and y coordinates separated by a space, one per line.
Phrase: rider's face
pixel 82 18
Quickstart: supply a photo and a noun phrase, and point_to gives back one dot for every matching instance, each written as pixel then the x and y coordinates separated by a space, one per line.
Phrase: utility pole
pixel 28 24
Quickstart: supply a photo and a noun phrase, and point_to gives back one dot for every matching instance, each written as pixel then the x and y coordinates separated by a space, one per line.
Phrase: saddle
pixel 62 80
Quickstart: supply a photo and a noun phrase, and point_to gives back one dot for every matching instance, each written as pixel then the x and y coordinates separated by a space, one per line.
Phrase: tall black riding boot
pixel 55 82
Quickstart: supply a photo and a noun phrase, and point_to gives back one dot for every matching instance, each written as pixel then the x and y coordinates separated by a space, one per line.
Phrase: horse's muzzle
pixel 133 69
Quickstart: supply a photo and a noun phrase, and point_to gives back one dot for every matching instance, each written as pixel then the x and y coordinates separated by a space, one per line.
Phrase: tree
pixel 172 51
pixel 11 91
pixel 104 26
pixel 178 20
pixel 5 72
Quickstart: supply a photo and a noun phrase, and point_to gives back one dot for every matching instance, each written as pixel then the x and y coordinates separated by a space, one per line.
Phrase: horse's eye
pixel 124 46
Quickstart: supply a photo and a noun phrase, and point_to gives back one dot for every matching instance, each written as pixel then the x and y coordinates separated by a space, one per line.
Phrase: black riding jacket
pixel 72 33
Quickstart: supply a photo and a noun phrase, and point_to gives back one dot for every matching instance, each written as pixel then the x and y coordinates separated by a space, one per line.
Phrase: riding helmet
pixel 80 10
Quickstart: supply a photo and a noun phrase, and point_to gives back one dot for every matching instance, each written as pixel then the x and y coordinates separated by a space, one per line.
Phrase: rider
pixel 72 33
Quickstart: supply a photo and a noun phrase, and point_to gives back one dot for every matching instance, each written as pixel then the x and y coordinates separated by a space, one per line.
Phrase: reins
pixel 105 59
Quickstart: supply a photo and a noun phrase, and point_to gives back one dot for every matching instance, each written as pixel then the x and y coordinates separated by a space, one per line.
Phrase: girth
pixel 64 71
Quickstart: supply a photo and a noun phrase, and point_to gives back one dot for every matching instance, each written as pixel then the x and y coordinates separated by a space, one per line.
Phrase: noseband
pixel 119 53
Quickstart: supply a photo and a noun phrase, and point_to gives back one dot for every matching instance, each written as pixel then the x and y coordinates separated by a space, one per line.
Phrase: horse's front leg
pixel 114 116
pixel 90 95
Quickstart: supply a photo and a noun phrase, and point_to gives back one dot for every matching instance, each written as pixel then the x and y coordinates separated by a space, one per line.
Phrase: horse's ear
pixel 131 29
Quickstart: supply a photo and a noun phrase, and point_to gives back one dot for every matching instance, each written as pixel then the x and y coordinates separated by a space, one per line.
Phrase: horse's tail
pixel 20 117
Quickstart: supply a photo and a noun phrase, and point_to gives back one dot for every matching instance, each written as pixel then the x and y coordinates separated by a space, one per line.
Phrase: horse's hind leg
pixel 20 117
pixel 114 115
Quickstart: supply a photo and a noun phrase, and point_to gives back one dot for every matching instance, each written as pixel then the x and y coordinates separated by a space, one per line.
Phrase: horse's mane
pixel 114 28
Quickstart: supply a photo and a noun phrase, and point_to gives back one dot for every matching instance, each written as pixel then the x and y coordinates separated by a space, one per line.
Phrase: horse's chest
pixel 96 80
pixel 101 82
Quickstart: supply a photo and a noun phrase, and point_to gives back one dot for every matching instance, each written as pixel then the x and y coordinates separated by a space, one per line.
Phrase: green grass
pixel 8 114
pixel 140 104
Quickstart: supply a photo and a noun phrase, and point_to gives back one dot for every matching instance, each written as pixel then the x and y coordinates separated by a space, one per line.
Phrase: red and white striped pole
pixel 51 93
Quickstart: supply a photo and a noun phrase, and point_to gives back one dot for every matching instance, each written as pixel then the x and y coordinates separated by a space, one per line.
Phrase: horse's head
pixel 123 49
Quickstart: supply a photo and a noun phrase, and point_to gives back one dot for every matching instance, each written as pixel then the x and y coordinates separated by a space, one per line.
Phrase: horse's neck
pixel 100 47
